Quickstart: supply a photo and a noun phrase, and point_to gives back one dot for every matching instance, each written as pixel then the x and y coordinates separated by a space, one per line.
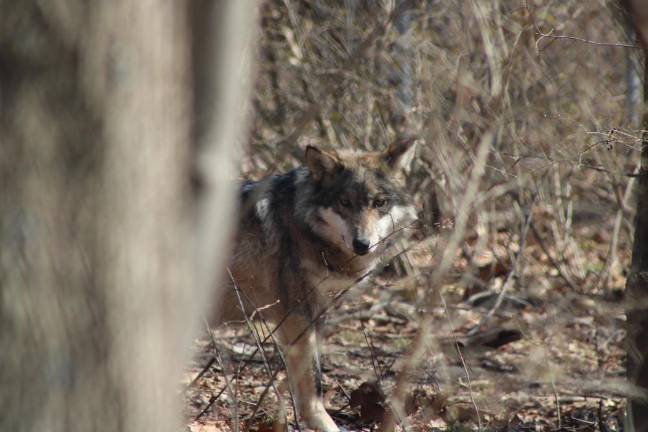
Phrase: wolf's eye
pixel 345 202
pixel 380 203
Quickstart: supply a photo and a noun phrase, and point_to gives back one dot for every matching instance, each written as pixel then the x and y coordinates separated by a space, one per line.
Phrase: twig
pixel 283 361
pixel 228 384
pixel 623 202
pixel 493 56
pixel 419 346
pixel 257 339
pixel 564 276
pixel 555 393
pixel 244 362
pixel 318 316
pixel 212 399
pixel 550 35
pixel 376 368
pixel 551 259
pixel 201 373
pixel 514 271
pixel 334 87
pixel 463 364
pixel 271 333
pixel 307 328
pixel 284 318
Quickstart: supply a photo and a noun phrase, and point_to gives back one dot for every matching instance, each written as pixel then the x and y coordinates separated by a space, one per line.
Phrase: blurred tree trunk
pixel 633 69
pixel 637 293
pixel 637 283
pixel 106 252
pixel 401 73
pixel 633 80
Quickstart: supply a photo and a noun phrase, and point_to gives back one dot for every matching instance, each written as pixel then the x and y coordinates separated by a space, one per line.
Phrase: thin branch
pixel 271 333
pixel 334 303
pixel 623 203
pixel 421 340
pixel 550 35
pixel 257 340
pixel 376 367
pixel 228 383
pixel 556 399
pixel 212 399
pixel 463 365
pixel 201 373
pixel 564 276
pixel 515 271
pixel 335 87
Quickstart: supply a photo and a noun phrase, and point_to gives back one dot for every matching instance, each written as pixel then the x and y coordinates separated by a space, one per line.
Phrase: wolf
pixel 304 237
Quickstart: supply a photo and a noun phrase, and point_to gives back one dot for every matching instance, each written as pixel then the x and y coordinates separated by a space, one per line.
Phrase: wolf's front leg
pixel 304 374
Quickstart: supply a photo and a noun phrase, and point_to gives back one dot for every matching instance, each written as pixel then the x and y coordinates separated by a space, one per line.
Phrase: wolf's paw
pixel 319 420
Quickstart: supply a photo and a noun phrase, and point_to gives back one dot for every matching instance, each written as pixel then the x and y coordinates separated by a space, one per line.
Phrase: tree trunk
pixel 403 72
pixel 637 283
pixel 637 294
pixel 106 253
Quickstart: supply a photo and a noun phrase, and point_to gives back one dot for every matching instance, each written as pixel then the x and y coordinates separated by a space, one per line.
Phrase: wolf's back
pixel 251 278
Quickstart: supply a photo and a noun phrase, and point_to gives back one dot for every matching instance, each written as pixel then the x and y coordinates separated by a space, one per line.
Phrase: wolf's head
pixel 360 198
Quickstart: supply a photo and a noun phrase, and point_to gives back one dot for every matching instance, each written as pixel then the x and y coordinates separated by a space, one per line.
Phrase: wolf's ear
pixel 400 154
pixel 321 163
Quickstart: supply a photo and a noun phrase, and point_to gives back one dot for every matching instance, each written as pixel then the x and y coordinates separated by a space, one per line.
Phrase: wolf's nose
pixel 361 247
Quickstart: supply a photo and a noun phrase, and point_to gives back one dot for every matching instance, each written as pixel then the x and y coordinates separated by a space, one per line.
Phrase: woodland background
pixel 123 123
pixel 532 110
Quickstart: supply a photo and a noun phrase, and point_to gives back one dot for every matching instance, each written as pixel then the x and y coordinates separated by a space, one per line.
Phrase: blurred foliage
pixel 333 74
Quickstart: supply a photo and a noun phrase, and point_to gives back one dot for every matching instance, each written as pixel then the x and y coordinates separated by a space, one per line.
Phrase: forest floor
pixel 551 356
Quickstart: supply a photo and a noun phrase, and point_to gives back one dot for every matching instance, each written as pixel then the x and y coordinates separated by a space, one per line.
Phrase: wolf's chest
pixel 329 285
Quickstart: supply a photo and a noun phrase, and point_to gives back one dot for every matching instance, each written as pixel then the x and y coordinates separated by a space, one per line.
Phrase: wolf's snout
pixel 360 246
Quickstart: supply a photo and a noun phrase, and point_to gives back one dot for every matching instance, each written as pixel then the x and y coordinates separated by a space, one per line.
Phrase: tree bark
pixel 107 256
pixel 637 294
pixel 637 283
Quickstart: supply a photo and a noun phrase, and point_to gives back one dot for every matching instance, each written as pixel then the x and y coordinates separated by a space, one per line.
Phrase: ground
pixel 550 357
